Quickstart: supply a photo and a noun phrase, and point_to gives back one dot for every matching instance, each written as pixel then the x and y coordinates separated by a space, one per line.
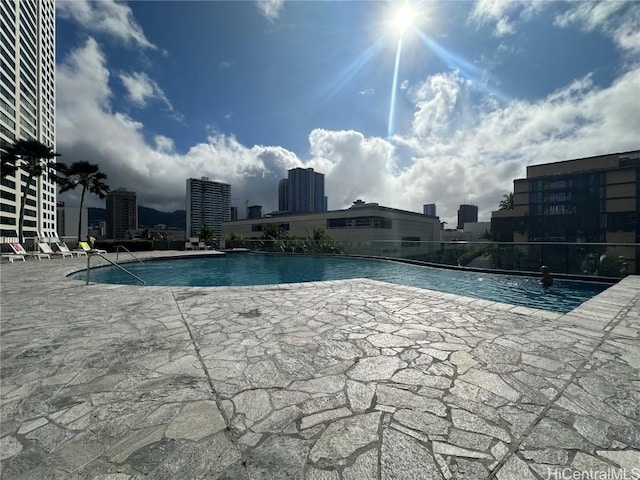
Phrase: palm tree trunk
pixel 84 189
pixel 23 202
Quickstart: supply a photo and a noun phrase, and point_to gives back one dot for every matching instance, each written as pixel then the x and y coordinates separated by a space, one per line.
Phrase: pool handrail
pixel 89 255
pixel 128 251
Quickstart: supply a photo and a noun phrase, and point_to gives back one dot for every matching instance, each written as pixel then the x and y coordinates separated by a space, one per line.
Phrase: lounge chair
pixel 18 249
pixel 86 248
pixel 45 248
pixel 11 257
pixel 63 248
pixel 194 243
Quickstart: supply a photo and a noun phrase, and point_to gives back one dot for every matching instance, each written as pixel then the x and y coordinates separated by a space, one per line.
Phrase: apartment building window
pixel 5 131
pixel 8 195
pixel 8 183
pixel 625 221
pixel 8 94
pixel 7 107
pixel 7 120
pixel 8 58
pixel 7 208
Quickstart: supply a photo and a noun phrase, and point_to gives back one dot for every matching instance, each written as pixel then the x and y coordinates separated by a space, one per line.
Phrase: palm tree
pixel 206 234
pixel 507 202
pixel 89 176
pixel 35 159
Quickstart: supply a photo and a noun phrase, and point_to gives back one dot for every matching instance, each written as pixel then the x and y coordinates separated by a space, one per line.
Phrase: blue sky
pixel 449 112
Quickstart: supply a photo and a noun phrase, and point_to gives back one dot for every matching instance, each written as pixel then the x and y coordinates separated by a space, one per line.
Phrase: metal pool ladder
pixel 89 255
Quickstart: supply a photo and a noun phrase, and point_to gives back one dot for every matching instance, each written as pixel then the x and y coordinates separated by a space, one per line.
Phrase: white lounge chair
pixel 62 247
pixel 18 249
pixel 194 243
pixel 12 257
pixel 46 249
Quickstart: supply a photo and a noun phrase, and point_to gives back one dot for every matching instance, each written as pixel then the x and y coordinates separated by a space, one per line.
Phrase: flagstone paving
pixel 350 380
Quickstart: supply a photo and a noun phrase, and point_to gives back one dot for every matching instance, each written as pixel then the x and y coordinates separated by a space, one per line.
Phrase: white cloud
pixel 355 166
pixel 270 8
pixel 474 158
pixel 116 142
pixel 462 150
pixel 106 16
pixel 504 13
pixel 620 20
pixel 164 144
pixel 503 27
pixel 140 88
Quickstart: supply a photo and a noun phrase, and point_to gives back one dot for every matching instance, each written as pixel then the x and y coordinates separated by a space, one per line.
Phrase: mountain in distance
pixel 147 217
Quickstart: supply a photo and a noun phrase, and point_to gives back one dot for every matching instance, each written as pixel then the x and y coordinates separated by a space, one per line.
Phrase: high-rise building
pixel 305 191
pixel 283 195
pixel 208 203
pixel 234 214
pixel 467 213
pixel 254 211
pixel 67 219
pixel 27 108
pixel 429 209
pixel 122 213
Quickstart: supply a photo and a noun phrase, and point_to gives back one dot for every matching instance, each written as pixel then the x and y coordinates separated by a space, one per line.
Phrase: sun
pixel 403 18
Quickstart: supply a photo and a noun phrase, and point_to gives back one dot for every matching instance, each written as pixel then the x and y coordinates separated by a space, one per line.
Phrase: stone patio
pixel 320 381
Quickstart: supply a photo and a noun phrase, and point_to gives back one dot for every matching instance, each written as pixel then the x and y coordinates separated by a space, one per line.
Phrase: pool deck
pixel 351 380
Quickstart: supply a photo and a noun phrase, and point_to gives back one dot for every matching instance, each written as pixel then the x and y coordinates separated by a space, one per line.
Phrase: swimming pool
pixel 255 269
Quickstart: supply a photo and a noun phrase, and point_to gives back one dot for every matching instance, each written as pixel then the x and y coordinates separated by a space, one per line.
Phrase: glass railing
pixel 591 259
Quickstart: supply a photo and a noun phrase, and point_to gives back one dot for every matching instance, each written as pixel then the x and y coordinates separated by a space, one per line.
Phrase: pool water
pixel 252 269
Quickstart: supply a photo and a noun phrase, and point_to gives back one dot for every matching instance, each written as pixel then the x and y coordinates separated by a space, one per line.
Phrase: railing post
pixel 88 267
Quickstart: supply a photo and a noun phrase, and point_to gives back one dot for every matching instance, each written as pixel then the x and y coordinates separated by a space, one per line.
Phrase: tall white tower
pixel 27 108
pixel 208 203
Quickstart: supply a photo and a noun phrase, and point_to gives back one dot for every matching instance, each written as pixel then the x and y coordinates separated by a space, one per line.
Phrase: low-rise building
pixel 363 228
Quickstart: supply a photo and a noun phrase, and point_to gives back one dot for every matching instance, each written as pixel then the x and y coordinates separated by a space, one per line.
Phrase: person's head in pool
pixel 546 280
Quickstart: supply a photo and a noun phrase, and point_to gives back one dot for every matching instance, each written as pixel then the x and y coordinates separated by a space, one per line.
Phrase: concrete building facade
pixel 361 226
pixel 208 203
pixel 27 109
pixel 122 213
pixel 586 200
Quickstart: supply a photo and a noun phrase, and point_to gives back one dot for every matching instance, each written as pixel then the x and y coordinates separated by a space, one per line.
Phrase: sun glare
pixel 403 18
